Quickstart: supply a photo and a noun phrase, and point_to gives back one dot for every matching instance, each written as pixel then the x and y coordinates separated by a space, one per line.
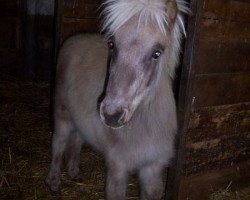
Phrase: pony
pixel 114 92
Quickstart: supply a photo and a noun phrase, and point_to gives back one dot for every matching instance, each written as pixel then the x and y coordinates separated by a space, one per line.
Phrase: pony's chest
pixel 137 149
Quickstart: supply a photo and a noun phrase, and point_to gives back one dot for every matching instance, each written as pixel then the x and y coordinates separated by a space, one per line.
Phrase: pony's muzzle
pixel 114 119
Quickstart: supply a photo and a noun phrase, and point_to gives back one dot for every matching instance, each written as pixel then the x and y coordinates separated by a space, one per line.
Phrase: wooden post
pixel 38 38
pixel 184 103
pixel 29 44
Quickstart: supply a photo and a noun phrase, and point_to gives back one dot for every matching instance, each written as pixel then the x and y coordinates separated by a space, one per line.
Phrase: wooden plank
pixel 80 9
pixel 10 4
pixel 12 26
pixel 202 185
pixel 227 10
pixel 221 89
pixel 211 123
pixel 216 154
pixel 70 27
pixel 9 56
pixel 223 47
pixel 217 137
pixel 217 31
pixel 10 31
pixel 214 57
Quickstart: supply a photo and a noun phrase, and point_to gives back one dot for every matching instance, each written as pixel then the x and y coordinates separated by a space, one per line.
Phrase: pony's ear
pixel 171 9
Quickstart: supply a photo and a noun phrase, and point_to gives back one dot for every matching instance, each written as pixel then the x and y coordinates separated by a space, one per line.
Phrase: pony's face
pixel 138 55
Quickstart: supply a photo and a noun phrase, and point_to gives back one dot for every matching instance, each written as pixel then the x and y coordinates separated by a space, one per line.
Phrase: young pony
pixel 127 110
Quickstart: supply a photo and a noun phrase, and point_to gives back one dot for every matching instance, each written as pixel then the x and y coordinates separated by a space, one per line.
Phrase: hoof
pixel 54 188
pixel 77 179
pixel 75 175
pixel 55 193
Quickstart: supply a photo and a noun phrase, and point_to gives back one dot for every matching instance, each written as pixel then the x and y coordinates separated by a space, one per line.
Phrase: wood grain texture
pixel 81 9
pixel 210 123
pixel 218 31
pixel 216 154
pixel 222 47
pixel 11 30
pixel 217 137
pixel 221 89
pixel 11 26
pixel 227 10
pixel 71 27
pixel 77 16
pixel 10 4
pixel 201 186
pixel 222 57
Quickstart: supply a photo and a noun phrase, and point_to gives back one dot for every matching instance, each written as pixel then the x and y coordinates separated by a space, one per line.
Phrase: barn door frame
pixel 38 38
pixel 185 100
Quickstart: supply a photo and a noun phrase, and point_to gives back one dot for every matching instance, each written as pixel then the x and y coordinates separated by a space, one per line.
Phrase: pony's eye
pixel 111 44
pixel 156 54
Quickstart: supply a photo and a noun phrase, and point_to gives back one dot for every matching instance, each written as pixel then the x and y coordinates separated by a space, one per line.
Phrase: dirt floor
pixel 25 141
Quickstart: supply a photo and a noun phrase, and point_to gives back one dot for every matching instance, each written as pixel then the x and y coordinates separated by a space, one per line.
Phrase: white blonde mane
pixel 118 12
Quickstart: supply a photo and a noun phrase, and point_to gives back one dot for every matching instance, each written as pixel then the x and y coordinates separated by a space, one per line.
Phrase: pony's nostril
pixel 122 117
pixel 116 119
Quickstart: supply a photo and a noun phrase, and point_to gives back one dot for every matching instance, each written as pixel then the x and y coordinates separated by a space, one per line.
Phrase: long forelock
pixel 118 12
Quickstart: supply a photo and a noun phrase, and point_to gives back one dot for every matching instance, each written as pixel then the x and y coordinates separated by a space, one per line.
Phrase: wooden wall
pixel 77 16
pixel 10 31
pixel 216 115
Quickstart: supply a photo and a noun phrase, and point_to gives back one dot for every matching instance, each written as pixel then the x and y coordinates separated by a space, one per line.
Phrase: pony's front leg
pixel 60 141
pixel 74 154
pixel 116 182
pixel 151 182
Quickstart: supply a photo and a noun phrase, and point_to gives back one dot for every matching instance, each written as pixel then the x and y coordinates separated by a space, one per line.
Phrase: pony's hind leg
pixel 74 155
pixel 63 129
pixel 151 182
